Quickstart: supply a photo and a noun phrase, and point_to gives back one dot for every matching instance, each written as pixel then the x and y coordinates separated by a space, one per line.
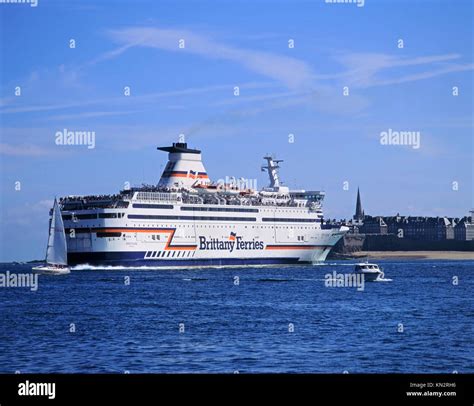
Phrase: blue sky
pixel 282 90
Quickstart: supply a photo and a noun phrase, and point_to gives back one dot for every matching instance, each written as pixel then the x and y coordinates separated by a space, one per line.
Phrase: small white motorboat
pixel 56 252
pixel 371 272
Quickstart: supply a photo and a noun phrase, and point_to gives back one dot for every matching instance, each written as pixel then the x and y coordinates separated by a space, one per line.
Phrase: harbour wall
pixel 351 243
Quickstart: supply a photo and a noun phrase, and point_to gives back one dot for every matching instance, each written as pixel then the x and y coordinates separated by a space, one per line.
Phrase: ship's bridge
pixel 311 195
pixel 311 198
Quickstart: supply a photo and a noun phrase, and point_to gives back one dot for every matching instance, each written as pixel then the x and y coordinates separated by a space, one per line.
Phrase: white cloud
pixel 365 69
pixel 424 75
pixel 24 150
pixel 135 99
pixel 292 72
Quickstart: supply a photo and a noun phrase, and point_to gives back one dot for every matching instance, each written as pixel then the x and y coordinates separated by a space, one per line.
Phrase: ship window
pixel 220 209
pixel 107 215
pixel 86 216
pixel 201 218
pixel 288 220
pixel 108 234
pixel 152 206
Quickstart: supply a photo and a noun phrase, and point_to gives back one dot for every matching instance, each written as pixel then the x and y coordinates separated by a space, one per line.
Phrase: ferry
pixel 186 220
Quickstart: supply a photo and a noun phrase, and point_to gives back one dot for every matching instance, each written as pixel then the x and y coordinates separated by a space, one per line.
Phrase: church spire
pixel 359 213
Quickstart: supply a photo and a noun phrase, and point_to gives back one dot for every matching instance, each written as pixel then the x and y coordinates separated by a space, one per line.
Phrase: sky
pixel 353 73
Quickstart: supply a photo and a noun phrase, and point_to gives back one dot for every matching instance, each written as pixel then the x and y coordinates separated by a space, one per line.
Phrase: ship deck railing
pixel 176 196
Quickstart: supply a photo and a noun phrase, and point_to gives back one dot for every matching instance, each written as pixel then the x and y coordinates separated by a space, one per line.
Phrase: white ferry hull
pixel 186 220
pixel 147 243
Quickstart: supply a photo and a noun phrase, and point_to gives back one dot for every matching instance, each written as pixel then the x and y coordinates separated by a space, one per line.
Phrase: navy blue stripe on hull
pixel 137 259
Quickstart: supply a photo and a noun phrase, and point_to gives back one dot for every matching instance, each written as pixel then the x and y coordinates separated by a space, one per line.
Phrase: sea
pixel 287 319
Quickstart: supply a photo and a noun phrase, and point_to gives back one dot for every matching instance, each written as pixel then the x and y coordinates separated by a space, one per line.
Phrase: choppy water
pixel 241 327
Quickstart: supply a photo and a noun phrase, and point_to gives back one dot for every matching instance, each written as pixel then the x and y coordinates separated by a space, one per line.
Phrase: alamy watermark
pixel 241 184
pixel 32 3
pixel 19 280
pixel 410 138
pixel 67 137
pixel 344 280
pixel 360 3
pixel 28 388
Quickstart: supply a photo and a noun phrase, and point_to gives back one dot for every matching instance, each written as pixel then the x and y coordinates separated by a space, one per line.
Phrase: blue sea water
pixel 274 320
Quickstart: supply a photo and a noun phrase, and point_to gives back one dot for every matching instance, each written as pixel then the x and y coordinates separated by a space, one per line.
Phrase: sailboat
pixel 56 252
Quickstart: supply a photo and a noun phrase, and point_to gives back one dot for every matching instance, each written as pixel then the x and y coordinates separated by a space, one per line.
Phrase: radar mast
pixel 272 169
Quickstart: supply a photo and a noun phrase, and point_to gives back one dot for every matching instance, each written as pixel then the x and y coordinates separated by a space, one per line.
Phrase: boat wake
pixel 87 267
pixel 383 280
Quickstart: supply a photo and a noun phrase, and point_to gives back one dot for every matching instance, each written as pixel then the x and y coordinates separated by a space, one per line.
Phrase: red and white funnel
pixel 184 167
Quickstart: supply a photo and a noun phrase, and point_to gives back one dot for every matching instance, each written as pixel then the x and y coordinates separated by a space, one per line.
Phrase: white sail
pixel 56 253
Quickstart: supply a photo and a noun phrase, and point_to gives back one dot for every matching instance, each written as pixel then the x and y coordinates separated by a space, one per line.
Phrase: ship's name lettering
pixel 237 244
